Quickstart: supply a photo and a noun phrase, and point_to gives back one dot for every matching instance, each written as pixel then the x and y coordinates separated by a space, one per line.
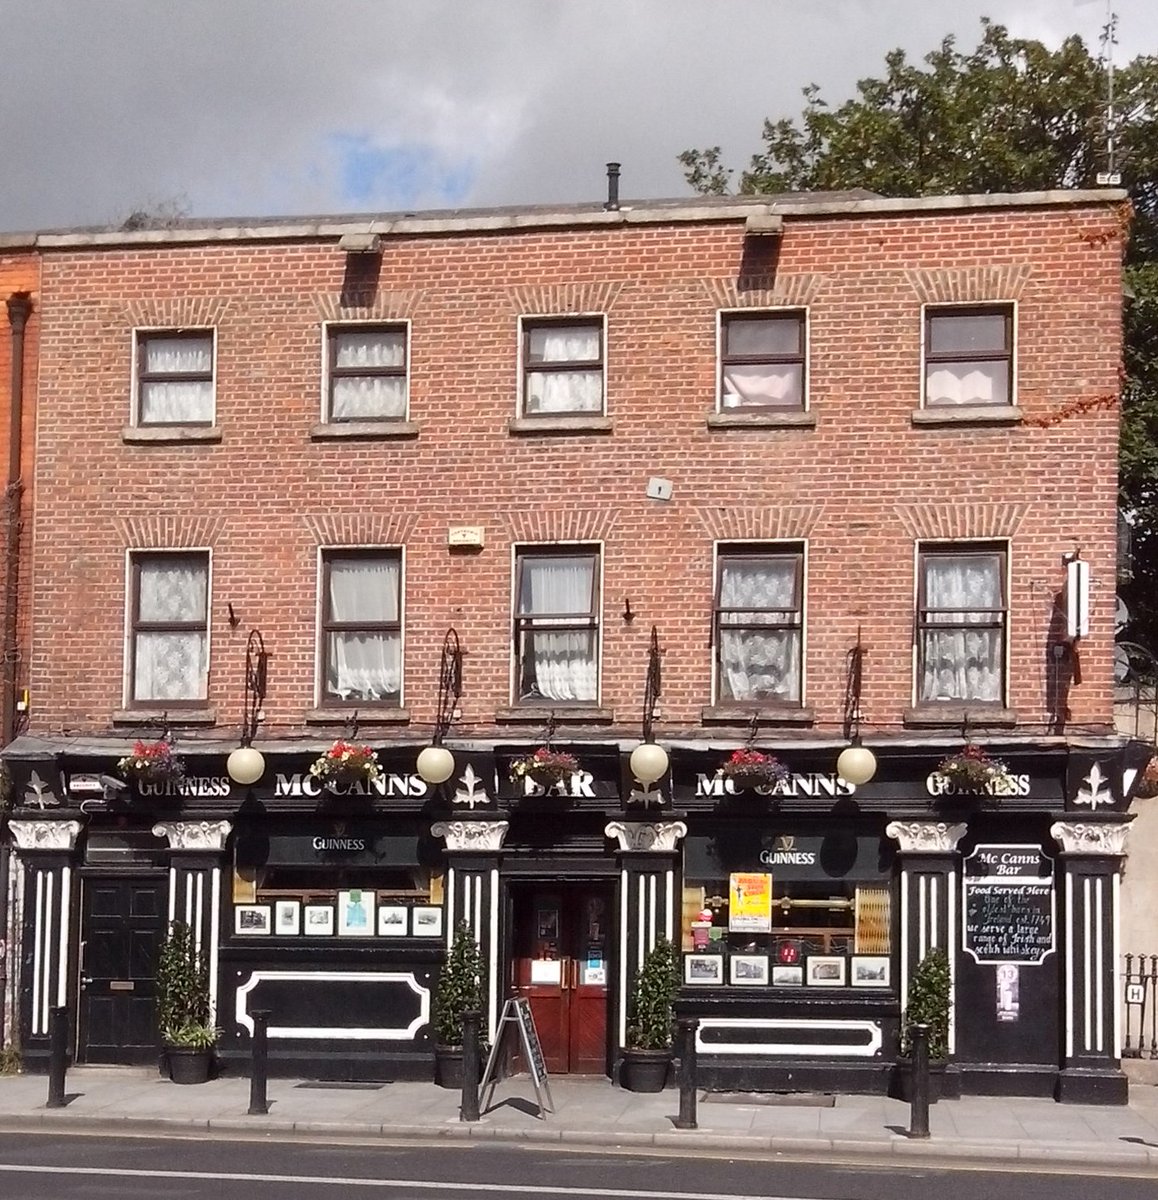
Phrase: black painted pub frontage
pixel 800 911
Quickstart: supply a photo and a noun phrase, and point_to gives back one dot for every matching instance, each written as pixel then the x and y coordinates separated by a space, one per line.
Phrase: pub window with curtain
pixel 562 367
pixel 169 645
pixel 362 627
pixel 759 625
pixel 557 625
pixel 175 377
pixel 969 355
pixel 366 373
pixel 762 360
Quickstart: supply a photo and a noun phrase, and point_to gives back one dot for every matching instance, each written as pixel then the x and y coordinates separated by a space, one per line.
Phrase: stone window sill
pixel 732 714
pixel 957 716
pixel 762 420
pixel 363 430
pixel 968 414
pixel 366 716
pixel 558 425
pixel 564 715
pixel 171 716
pixel 169 435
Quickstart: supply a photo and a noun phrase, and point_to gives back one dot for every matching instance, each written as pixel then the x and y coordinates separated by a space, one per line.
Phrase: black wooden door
pixel 123 925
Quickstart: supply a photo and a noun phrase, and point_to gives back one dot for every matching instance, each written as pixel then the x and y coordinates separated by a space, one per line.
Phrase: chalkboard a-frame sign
pixel 1008 901
pixel 517 1016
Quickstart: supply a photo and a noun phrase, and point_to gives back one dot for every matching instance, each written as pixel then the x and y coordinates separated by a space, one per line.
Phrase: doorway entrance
pixel 560 963
pixel 122 926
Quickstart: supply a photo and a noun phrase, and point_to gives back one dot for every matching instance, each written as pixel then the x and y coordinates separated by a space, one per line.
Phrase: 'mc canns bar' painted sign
pixel 808 784
pixel 297 783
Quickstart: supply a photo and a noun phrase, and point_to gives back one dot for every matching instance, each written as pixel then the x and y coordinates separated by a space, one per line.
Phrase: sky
pixel 284 107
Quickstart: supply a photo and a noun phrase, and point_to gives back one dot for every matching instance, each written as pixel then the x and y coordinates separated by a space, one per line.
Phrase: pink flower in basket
pixel 749 768
pixel 345 762
pixel 545 766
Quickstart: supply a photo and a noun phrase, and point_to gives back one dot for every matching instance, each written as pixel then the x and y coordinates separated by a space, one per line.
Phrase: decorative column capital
pixel 45 835
pixel 652 836
pixel 194 835
pixel 926 837
pixel 472 835
pixel 1086 837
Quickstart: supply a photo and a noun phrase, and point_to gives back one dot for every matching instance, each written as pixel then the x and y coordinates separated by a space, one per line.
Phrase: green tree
pixel 1011 115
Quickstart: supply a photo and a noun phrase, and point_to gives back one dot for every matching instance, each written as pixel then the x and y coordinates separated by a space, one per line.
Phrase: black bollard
pixel 919 1101
pixel 57 1056
pixel 471 1065
pixel 259 1068
pixel 687 1032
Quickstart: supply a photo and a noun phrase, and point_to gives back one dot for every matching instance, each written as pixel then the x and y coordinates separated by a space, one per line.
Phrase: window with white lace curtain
pixel 175 373
pixel 366 373
pixel 762 360
pixel 362 627
pixel 969 355
pixel 759 626
pixel 170 629
pixel 961 624
pixel 562 367
pixel 557 626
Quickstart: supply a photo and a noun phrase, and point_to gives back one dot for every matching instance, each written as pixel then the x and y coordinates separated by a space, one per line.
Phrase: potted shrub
pixel 345 763
pixel 929 1003
pixel 459 991
pixel 748 769
pixel 544 766
pixel 648 1054
pixel 183 1006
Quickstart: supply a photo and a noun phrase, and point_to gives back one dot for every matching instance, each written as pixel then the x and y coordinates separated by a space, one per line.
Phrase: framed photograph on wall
pixel 356 913
pixel 392 920
pixel 870 970
pixel 748 969
pixel 703 968
pixel 287 918
pixel 251 919
pixel 426 921
pixel 824 970
pixel 319 920
pixel 787 976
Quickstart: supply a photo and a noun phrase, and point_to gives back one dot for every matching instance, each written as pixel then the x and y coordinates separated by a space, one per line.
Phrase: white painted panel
pixel 870 1047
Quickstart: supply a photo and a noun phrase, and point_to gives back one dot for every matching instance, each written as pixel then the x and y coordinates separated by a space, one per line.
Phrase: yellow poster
pixel 750 903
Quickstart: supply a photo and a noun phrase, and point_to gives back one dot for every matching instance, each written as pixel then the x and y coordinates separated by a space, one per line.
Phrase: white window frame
pixel 141 332
pixel 1014 339
pixel 1005 545
pixel 772 546
pixel 531 319
pixel 128 657
pixel 321 701
pixel 770 310
pixel 402 323
pixel 546 548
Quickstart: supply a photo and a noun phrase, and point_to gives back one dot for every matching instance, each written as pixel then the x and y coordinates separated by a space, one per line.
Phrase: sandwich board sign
pixel 519 1020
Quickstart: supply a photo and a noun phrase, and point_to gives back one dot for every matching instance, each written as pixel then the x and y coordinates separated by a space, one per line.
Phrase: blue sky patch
pixel 401 175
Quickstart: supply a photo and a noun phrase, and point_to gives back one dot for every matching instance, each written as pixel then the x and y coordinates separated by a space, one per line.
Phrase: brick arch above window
pixel 379 306
pixel 360 529
pixel 946 522
pixel 774 522
pixel 170 531
pixel 179 312
pixel 562 299
pixel 781 290
pixel 954 285
pixel 541 524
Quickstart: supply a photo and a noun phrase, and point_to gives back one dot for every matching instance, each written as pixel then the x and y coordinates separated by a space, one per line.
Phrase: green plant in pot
pixel 187 1033
pixel 928 1004
pixel 648 1054
pixel 459 991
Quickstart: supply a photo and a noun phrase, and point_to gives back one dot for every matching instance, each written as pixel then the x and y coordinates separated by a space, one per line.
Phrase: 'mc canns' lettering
pixel 299 784
pixel 794 785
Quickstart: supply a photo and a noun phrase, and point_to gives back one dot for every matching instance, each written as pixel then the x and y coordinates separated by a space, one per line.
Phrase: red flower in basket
pixel 151 762
pixel 972 770
pixel 545 766
pixel 345 762
pixel 749 768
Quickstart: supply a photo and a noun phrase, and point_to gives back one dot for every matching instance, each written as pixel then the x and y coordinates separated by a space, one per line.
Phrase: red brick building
pixel 835 450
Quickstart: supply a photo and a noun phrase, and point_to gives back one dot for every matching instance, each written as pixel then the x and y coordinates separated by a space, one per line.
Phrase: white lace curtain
pixel 962 663
pixel 763 664
pixel 171 664
pixel 773 384
pixel 370 396
pixel 364 664
pixel 558 665
pixel 177 401
pixel 968 381
pixel 563 391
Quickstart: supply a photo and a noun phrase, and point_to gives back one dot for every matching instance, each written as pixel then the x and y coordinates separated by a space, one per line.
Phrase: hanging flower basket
pixel 1148 785
pixel 545 767
pixel 151 762
pixel 345 763
pixel 972 770
pixel 749 769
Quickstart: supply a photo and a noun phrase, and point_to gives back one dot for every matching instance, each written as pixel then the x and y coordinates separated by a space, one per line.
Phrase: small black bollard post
pixel 57 1055
pixel 919 1100
pixel 471 1065
pixel 688 1066
pixel 259 1067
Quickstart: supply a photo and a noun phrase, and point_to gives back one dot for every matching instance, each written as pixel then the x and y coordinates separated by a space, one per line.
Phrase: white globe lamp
pixel 649 763
pixel 857 764
pixel 435 764
pixel 245 765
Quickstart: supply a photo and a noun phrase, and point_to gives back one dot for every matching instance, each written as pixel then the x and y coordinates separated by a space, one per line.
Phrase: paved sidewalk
pixel 983 1129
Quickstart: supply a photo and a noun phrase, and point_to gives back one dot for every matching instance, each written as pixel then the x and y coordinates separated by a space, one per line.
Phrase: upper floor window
pixel 169 644
pixel 562 367
pixel 962 617
pixel 366 373
pixel 969 355
pixel 759 620
pixel 557 625
pixel 762 360
pixel 175 377
pixel 362 627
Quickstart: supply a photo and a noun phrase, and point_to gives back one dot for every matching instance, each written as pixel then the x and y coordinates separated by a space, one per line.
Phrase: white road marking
pixel 425 1185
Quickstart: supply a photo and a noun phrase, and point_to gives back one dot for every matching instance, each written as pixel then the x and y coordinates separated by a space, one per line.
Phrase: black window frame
pixel 530 324
pixel 200 334
pixel 727 319
pixel 1006 355
pixel 137 626
pixel 334 330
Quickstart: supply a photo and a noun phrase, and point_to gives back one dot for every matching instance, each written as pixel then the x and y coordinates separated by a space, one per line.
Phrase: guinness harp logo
pixel 785 842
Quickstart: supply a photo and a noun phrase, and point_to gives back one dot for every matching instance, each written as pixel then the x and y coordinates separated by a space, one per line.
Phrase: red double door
pixel 562 939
